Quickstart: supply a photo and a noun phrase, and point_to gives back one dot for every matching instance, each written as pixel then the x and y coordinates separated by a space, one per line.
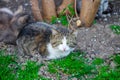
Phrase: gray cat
pixel 50 41
pixel 11 24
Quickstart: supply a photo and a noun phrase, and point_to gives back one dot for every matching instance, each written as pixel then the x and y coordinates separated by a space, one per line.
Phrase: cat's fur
pixel 11 24
pixel 50 41
pixel 104 6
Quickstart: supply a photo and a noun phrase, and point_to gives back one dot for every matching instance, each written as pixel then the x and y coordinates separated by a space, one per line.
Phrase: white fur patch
pixel 60 51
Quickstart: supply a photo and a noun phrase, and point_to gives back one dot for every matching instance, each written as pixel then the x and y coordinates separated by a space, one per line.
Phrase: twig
pixel 70 20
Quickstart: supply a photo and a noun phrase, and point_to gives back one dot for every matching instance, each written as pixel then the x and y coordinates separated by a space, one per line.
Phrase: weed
pixel 97 61
pixel 94 22
pixel 7 72
pixel 115 29
pixel 63 18
pixel 105 72
pixel 10 70
pixel 29 71
pixel 74 65
pixel 117 59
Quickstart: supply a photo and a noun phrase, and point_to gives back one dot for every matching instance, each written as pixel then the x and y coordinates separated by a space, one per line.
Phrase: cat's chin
pixel 58 55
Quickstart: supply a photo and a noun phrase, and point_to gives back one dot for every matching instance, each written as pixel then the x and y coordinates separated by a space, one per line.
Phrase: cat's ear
pixel 54 32
pixel 19 10
pixel 23 19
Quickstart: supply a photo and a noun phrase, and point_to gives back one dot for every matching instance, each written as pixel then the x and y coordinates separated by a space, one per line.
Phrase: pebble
pixel 112 65
pixel 105 19
pixel 96 43
pixel 26 4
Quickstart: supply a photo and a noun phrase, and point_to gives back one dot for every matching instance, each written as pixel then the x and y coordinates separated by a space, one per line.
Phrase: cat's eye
pixel 60 42
pixel 67 42
pixel 54 44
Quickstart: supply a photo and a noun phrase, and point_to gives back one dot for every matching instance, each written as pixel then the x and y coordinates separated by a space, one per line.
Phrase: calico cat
pixel 50 41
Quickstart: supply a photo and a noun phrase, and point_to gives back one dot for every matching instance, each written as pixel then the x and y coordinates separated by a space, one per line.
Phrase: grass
pixel 29 71
pixel 6 72
pixel 74 66
pixel 97 61
pixel 62 18
pixel 115 29
pixel 94 22
pixel 11 70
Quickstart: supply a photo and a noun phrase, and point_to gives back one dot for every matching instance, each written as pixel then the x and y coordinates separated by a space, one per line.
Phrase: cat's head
pixel 63 39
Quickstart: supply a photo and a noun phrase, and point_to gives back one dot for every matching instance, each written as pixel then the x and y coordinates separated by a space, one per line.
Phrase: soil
pixel 99 40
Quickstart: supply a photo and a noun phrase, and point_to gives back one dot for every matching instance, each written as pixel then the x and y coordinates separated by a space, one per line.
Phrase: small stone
pixel 115 13
pixel 86 30
pixel 6 1
pixel 74 79
pixel 104 16
pixel 78 23
pixel 105 19
pixel 109 15
pixel 95 40
pixel 113 65
pixel 59 21
pixel 92 55
pixel 26 4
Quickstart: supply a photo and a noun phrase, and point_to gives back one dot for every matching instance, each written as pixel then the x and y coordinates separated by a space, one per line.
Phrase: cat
pixel 105 6
pixel 11 24
pixel 50 41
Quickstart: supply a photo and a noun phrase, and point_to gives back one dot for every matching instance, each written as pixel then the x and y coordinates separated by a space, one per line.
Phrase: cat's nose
pixel 64 49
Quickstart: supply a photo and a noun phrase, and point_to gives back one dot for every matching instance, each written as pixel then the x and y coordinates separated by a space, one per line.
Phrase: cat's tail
pixel 6 10
pixel 6 15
